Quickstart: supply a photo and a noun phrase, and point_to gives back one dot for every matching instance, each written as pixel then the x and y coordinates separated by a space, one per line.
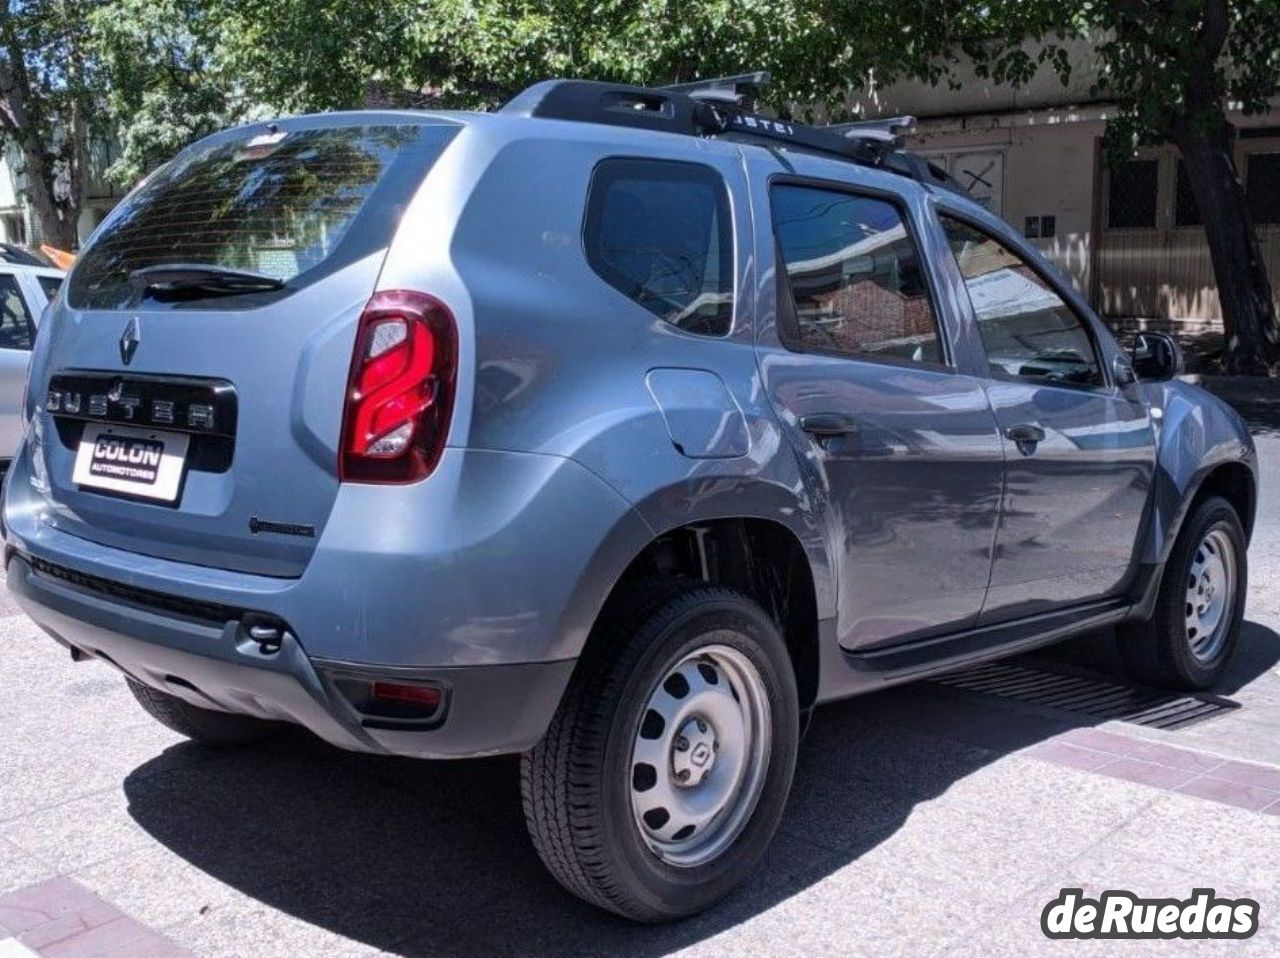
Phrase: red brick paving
pixel 60 918
pixel 1166 767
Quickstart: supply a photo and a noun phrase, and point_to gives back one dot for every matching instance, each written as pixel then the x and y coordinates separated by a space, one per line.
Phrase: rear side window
pixel 854 279
pixel 16 331
pixel 661 234
pixel 294 204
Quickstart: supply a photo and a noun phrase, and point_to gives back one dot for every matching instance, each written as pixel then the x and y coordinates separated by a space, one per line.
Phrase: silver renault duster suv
pixel 618 429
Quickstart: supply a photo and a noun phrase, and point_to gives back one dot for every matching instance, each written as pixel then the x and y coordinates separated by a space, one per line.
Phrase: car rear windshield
pixel 291 204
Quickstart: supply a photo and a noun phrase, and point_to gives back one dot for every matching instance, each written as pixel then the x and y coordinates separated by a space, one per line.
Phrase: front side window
pixel 661 233
pixel 16 330
pixel 856 284
pixel 1028 331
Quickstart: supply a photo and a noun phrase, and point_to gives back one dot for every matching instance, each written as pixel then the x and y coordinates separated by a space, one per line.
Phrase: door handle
pixel 824 425
pixel 1025 432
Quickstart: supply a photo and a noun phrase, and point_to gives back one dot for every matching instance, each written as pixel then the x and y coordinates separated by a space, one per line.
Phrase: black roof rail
pixel 616 104
pixel 714 107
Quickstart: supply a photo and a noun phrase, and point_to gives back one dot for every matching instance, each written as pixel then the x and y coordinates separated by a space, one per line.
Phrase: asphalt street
pixel 927 820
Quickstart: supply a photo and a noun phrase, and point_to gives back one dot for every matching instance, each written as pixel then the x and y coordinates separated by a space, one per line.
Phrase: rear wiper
pixel 184 279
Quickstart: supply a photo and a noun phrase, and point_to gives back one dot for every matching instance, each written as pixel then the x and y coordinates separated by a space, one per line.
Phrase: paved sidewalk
pixel 927 820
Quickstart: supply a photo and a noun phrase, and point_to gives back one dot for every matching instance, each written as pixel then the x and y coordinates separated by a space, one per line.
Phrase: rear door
pixel 245 389
pixel 17 333
pixel 902 447
pixel 1079 450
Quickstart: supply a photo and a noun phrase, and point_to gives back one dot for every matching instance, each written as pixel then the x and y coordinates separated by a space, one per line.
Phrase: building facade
pixel 1128 236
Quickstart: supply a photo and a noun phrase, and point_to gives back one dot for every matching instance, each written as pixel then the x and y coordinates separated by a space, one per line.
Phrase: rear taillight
pixel 400 395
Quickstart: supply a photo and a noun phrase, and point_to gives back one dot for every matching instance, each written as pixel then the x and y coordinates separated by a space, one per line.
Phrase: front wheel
pixel 666 769
pixel 1191 638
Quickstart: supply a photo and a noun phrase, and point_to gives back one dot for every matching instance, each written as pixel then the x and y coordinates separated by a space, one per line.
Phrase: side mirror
pixel 1156 357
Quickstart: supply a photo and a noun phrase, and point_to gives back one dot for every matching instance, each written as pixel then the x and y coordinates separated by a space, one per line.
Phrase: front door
pixel 902 448
pixel 1079 451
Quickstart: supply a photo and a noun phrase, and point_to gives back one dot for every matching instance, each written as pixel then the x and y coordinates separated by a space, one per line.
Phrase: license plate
pixel 139 462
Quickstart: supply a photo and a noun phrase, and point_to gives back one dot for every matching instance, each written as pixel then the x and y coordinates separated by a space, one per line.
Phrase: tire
pixel 591 806
pixel 206 726
pixel 1181 646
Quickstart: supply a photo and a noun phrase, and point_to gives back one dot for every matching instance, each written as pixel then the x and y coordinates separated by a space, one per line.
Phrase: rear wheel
pixel 1190 640
pixel 207 726
pixel 666 769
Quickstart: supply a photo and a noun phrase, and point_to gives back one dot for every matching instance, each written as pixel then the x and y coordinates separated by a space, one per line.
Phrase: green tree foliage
pixel 49 105
pixel 325 54
pixel 166 85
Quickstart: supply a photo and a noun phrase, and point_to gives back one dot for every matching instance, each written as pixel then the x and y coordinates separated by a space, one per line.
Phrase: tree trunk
pixel 1244 290
pixel 55 224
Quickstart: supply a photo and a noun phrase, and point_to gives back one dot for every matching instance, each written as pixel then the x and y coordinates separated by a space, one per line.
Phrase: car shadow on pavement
pixel 431 858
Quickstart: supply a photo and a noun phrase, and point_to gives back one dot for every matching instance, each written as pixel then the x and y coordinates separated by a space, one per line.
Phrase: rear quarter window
pixel 661 233
pixel 293 204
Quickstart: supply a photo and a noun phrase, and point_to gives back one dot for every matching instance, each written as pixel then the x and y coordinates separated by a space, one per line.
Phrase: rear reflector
pixel 380 703
pixel 425 696
pixel 400 393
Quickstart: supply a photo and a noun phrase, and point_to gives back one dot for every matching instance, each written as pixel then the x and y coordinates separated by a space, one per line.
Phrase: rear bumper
pixel 189 653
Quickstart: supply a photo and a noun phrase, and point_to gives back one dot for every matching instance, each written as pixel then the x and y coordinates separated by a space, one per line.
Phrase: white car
pixel 25 290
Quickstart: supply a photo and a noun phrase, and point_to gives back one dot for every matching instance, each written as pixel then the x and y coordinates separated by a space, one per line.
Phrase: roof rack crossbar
pixel 893 126
pixel 741 88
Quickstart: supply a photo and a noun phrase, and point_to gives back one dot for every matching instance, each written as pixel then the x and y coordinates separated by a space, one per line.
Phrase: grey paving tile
pixel 902 759
pixel 1064 753
pixel 77 833
pixel 249 929
pixel 993 824
pixel 63 774
pixel 866 908
pixel 1014 930
pixel 156 886
pixel 1219 843
pixel 19 868
pixel 836 812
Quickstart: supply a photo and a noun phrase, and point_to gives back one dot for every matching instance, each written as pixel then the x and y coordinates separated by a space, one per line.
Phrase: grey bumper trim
pixel 493 708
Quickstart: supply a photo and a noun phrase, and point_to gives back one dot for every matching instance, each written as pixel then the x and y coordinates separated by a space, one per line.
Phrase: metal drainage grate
pixel 1094 697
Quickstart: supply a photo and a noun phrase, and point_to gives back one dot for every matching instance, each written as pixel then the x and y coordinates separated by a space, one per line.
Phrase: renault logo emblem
pixel 129 341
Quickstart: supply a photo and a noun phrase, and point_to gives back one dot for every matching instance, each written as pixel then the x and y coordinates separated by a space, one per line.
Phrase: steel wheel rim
pixel 699 755
pixel 1210 599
